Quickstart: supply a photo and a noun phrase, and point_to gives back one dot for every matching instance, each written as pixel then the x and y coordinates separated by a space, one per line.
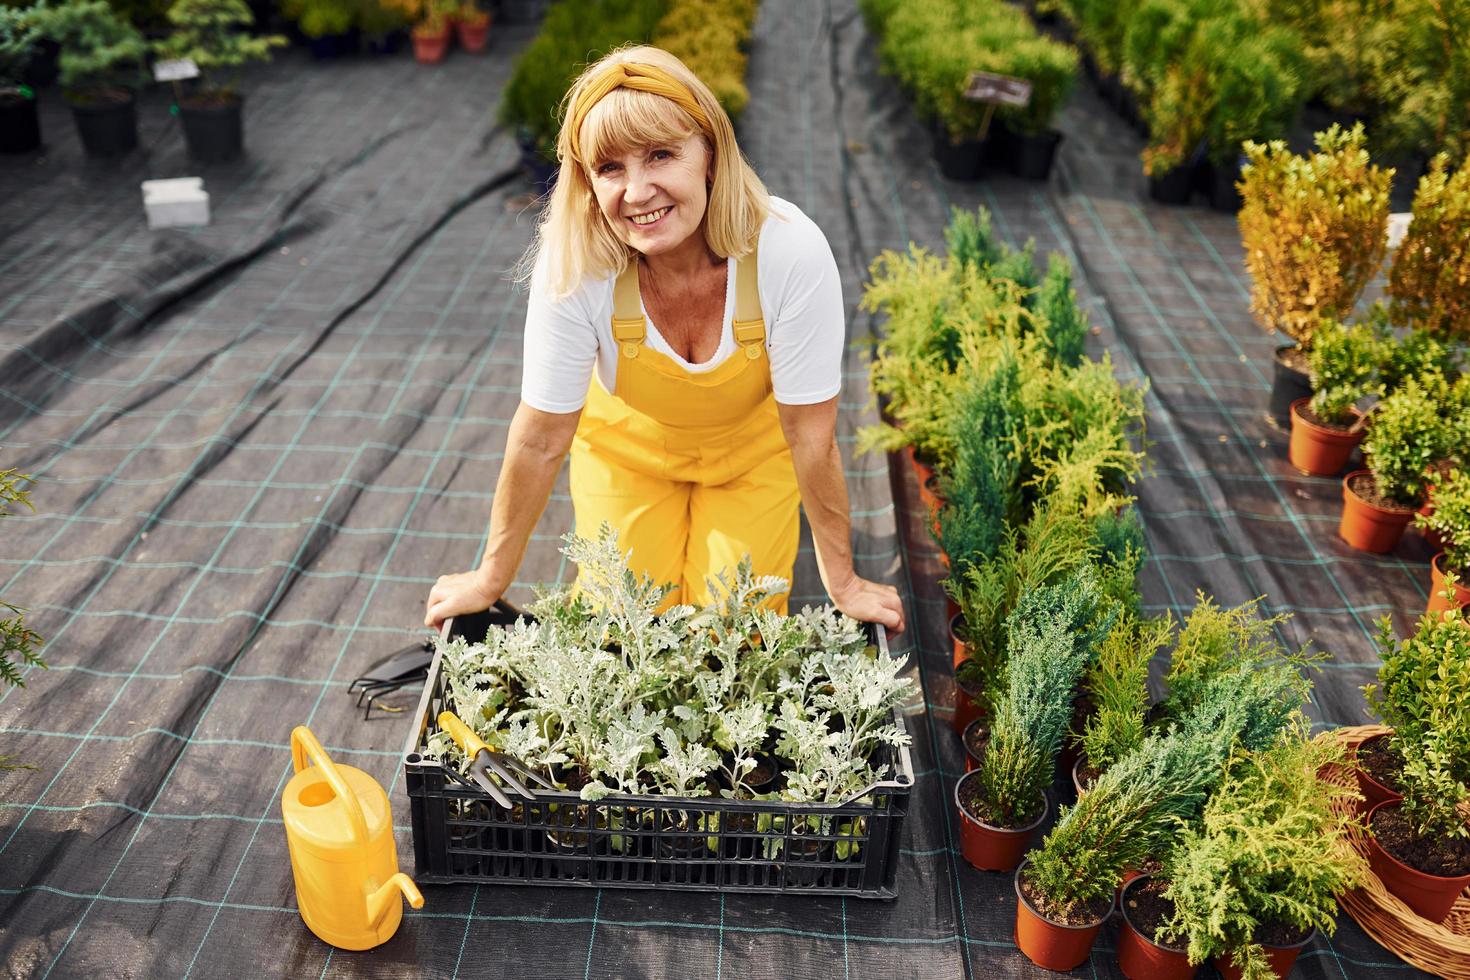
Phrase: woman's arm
pixel 535 446
pixel 811 432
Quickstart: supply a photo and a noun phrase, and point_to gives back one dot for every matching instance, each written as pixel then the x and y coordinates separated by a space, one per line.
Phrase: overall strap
pixel 750 323
pixel 628 323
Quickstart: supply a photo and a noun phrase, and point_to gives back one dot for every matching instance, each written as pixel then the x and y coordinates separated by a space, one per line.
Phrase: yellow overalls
pixel 692 470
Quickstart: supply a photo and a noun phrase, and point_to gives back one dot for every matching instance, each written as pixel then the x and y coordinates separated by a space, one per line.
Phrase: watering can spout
pixel 381 901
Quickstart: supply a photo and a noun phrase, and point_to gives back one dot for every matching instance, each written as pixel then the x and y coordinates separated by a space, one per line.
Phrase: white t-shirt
pixel 801 299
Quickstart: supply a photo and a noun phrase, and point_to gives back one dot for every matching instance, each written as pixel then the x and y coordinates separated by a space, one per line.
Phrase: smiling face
pixel 654 197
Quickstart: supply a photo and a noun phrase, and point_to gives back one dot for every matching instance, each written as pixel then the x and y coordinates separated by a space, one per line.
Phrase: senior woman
pixel 684 341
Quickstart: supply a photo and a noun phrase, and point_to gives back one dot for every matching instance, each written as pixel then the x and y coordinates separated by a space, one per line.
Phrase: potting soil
pixel 256 444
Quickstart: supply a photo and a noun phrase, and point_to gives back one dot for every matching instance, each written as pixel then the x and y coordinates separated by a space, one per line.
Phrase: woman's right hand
pixel 458 595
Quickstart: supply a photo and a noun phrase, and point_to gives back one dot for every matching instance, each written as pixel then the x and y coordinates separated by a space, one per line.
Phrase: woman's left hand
pixel 871 602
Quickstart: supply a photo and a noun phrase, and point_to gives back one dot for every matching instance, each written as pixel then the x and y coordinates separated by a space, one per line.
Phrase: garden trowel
pixel 483 757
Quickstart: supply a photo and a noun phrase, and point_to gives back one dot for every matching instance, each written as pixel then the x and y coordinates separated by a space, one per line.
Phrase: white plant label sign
pixel 175 70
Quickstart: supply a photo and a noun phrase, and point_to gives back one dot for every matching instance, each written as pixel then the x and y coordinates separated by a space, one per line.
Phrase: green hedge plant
pixel 1271 849
pixel 1450 519
pixel 1423 692
pixel 1407 435
pixel 101 54
pixel 1345 366
pixel 18 37
pixel 214 34
pixel 1116 684
pixel 1430 278
pixel 1313 228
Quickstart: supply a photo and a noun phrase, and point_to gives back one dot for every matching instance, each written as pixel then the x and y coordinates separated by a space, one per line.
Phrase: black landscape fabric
pixel 256 444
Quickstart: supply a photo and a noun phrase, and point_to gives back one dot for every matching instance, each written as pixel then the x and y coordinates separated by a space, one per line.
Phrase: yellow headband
pixel 641 78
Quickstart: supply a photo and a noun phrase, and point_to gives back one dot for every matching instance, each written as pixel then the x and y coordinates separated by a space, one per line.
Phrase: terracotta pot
pixel 1373 791
pixel 957 644
pixel 1430 896
pixel 1048 944
pixel 1437 602
pixel 1139 957
pixel 1317 450
pixel 972 761
pixel 1281 959
pixel 966 709
pixel 473 36
pixel 430 47
pixel 1368 527
pixel 993 848
pixel 921 468
pixel 929 496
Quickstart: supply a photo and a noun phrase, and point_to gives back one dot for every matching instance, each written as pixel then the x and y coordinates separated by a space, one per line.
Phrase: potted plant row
pixel 1449 522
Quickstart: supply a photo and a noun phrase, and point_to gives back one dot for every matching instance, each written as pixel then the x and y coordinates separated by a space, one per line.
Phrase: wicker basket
pixel 1441 948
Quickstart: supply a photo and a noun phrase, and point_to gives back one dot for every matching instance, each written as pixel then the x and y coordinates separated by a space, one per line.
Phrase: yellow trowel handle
pixel 304 746
pixel 462 734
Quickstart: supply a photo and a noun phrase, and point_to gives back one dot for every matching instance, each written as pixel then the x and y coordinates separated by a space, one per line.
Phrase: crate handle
pixel 304 746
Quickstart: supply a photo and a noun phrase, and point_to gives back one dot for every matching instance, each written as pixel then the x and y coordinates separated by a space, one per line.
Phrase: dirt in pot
pixel 1148 911
pixel 1382 761
pixel 1431 855
pixel 976 738
pixel 1086 774
pixel 1366 488
pixel 976 807
pixel 1084 916
pixel 1280 934
pixel 1339 425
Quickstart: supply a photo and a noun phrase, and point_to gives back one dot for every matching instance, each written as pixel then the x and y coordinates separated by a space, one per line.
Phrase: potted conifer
pixel 214 35
pixel 1450 521
pixel 100 62
pixel 1003 800
pixel 1419 846
pixel 1326 428
pixel 1407 435
pixel 20 125
pixel 1116 683
pixel 1259 874
pixel 1314 230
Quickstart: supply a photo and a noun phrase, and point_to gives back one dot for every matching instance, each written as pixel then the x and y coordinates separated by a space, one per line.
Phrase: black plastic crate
pixel 704 844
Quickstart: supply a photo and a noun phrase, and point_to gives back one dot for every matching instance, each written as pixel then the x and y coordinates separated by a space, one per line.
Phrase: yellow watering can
pixel 340 831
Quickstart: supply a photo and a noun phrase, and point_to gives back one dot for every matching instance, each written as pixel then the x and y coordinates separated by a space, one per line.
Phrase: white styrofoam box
pixel 176 202
pixel 1398 227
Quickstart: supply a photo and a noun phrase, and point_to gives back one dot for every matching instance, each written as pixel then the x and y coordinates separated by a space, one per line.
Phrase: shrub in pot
pixel 20 126
pixel 1314 232
pixel 100 61
pixel 326 23
pixel 1450 521
pixel 472 28
pixel 432 30
pixel 1265 863
pixel 1406 435
pixel 214 35
pixel 1325 428
pixel 1000 803
pixel 1028 142
pixel 1116 685
pixel 1432 264
pixel 1420 846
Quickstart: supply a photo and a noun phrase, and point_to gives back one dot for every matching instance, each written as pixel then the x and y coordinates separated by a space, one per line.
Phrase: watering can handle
pixel 304 746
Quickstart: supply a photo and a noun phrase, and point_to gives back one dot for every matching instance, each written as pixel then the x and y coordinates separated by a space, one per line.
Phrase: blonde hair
pixel 574 240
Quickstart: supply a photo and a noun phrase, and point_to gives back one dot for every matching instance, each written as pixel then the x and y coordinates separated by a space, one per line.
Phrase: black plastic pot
pixel 1031 157
pixel 20 126
pixel 964 160
pixel 1222 177
pixel 109 126
pixel 213 132
pixel 1173 186
pixel 1287 385
pixel 330 46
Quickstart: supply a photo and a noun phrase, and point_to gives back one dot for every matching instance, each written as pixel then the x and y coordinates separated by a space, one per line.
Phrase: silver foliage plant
pixel 639 701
